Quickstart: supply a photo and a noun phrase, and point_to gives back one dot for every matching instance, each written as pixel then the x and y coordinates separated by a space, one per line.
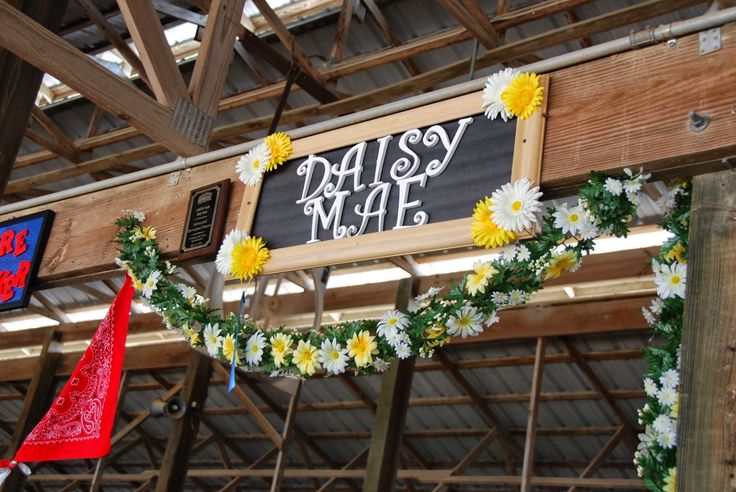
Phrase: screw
pixel 672 43
pixel 698 122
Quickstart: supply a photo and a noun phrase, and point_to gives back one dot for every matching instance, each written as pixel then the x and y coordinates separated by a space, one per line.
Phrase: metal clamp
pixel 645 37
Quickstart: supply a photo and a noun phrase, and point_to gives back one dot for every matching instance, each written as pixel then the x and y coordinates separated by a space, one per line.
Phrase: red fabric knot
pixel 6 464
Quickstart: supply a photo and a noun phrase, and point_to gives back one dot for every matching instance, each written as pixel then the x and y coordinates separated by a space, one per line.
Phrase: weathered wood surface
pixel 632 110
pixel 591 107
pixel 706 458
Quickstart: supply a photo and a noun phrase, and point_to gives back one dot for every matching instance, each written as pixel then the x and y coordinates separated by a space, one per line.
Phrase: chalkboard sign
pixel 22 242
pixel 399 184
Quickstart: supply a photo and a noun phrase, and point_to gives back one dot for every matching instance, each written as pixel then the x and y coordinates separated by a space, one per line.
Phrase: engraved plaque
pixel 205 220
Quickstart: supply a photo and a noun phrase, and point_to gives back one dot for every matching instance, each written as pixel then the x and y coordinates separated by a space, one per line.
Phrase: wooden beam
pixel 470 458
pixel 168 8
pixel 183 433
pixel 62 139
pixel 355 461
pixel 286 435
pixel 20 84
pixel 38 399
pixel 393 402
pixel 389 34
pixel 706 428
pixel 600 457
pixel 215 54
pixel 343 29
pixel 145 28
pixel 41 48
pixel 53 145
pixel 113 37
pixel 531 425
pixel 482 31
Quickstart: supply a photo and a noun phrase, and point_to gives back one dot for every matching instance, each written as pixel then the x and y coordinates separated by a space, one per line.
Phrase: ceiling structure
pixel 352 55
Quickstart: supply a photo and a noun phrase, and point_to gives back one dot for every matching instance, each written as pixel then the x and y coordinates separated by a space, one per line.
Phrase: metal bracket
pixel 645 37
pixel 191 122
pixel 709 41
pixel 174 178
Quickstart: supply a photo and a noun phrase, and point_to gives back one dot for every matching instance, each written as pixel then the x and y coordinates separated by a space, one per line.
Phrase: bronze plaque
pixel 205 220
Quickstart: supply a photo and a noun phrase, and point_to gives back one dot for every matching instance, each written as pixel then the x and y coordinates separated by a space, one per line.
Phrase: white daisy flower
pixel 670 378
pixel 650 319
pixel 392 321
pixel 223 261
pixel 170 268
pixel 657 305
pixel 523 253
pixel 517 297
pixel 666 201
pixel 650 387
pixel 403 351
pixel 150 284
pixel 613 186
pixel 588 230
pixel 333 357
pixel 662 424
pixel 633 198
pixel 646 438
pixel 431 292
pixel 500 298
pixel 187 291
pixel 251 166
pixel 515 204
pixel 254 348
pixel 495 85
pixel 667 396
pixel 671 280
pixel 632 186
pixel 393 337
pixel 381 365
pixel 465 322
pixel 492 319
pixel 569 220
pixel 212 339
pixel 656 267
pixel 667 439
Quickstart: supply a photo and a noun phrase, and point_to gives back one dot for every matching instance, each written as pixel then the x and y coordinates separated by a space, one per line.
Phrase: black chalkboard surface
pixel 481 162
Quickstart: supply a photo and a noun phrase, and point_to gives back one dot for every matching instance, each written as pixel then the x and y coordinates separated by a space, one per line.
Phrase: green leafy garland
pixel 656 455
pixel 363 346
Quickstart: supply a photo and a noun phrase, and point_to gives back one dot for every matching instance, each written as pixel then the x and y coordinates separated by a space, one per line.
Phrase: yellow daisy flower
pixel 248 257
pixel 281 348
pixel 478 280
pixel 137 283
pixel 565 261
pixel 670 481
pixel 675 254
pixel 281 149
pixel 147 233
pixel 523 95
pixel 228 348
pixel 361 348
pixel 306 358
pixel 485 232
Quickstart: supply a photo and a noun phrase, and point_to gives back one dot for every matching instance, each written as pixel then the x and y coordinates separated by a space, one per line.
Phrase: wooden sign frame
pixel 450 234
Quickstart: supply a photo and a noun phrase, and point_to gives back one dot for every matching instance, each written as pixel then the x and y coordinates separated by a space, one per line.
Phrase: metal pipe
pixel 635 40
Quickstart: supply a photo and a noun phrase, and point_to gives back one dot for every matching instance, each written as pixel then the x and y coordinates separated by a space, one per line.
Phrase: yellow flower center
pixel 516 206
pixel 463 322
pixel 393 321
pixel 256 164
pixel 334 355
pixel 676 279
pixel 255 348
pixel 574 217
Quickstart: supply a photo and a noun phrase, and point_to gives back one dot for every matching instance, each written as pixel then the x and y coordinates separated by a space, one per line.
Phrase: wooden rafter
pixel 286 436
pixel 166 7
pixel 114 38
pixel 343 28
pixel 52 144
pixel 40 47
pixel 600 457
pixel 389 34
pixel 531 426
pixel 481 29
pixel 145 28
pixel 215 54
pixel 64 143
pixel 572 18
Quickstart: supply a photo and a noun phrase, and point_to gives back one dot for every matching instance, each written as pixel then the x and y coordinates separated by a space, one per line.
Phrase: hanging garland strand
pixel 563 236
pixel 655 457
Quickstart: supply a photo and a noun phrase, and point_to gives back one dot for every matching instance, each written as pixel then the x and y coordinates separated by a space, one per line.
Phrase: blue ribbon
pixel 231 385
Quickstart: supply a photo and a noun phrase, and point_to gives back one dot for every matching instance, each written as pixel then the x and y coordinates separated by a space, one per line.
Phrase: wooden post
pixel 531 426
pixel 19 85
pixel 285 436
pixel 38 398
pixel 183 433
pixel 706 458
pixel 393 402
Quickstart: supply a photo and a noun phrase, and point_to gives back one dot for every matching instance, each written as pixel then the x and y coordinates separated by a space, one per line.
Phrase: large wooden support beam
pixel 37 401
pixel 215 54
pixel 183 432
pixel 41 48
pixel 706 424
pixel 286 436
pixel 393 402
pixel 145 28
pixel 19 85
pixel 531 424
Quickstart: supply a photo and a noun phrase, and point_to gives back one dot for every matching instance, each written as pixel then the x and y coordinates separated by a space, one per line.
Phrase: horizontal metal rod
pixel 635 40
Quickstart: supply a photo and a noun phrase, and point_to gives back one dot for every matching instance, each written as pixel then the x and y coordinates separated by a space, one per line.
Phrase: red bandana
pixel 79 423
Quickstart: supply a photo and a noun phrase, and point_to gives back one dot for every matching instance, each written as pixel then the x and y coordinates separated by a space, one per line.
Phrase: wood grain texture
pixel 43 49
pixel 706 458
pixel 215 54
pixel 630 110
pixel 157 58
pixel 530 141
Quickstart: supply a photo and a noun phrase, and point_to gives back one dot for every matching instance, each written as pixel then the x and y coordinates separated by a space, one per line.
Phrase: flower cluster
pixel 510 93
pixel 241 255
pixel 655 457
pixel 266 156
pixel 562 237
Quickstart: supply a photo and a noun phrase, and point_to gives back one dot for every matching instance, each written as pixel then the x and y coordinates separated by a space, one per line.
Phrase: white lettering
pixel 421 217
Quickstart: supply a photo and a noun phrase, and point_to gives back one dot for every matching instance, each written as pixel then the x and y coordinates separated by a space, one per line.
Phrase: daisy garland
pixel 465 309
